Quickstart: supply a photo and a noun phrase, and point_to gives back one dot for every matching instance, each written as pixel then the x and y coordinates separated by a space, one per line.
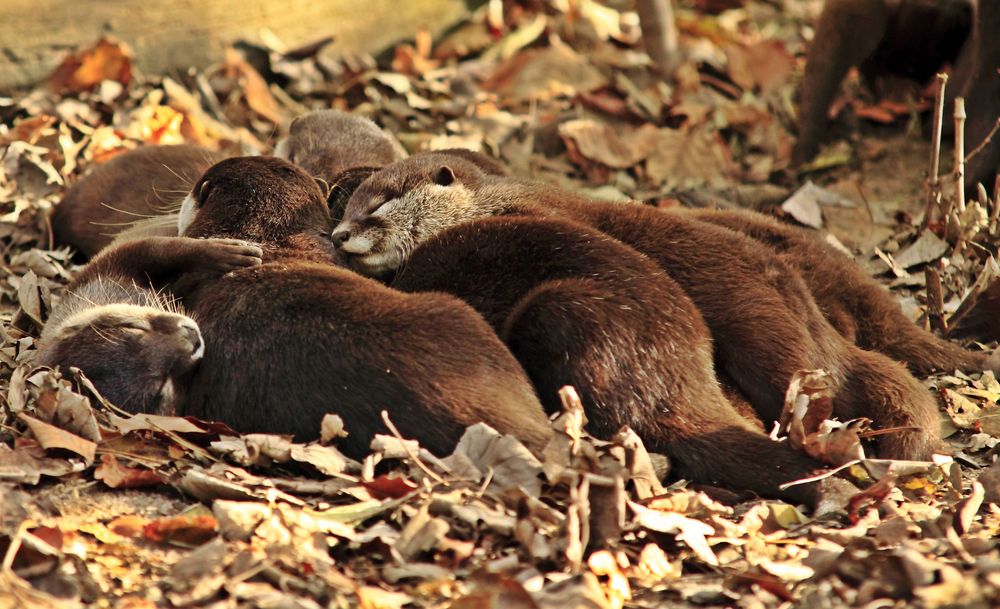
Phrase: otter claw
pixel 225 255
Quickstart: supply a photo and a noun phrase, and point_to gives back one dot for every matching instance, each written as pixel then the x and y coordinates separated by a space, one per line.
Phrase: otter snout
pixel 184 336
pixel 348 239
pixel 190 332
pixel 340 236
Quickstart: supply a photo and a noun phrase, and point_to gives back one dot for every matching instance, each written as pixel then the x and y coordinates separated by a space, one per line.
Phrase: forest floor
pixel 102 510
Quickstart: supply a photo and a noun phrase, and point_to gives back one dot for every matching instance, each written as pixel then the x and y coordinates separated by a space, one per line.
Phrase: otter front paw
pixel 225 255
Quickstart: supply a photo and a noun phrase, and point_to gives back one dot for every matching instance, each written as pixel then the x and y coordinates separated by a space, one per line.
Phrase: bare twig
pixel 985 142
pixel 935 300
pixel 960 117
pixel 659 33
pixel 932 187
pixel 409 452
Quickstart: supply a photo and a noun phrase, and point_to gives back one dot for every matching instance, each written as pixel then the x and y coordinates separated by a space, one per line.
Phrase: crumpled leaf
pixel 544 73
pixel 805 419
pixel 513 466
pixel 115 474
pixel 927 248
pixel 82 71
pixel 193 529
pixel 762 66
pixel 50 436
pixel 617 147
pixel 689 157
pixel 690 531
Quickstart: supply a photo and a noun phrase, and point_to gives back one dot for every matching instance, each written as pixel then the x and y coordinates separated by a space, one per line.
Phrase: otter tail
pixel 883 390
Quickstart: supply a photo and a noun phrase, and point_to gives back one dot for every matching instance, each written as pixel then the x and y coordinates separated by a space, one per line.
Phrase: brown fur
pixel 149 181
pixel 326 143
pixel 135 344
pixel 764 321
pixel 291 340
pixel 859 307
pixel 579 308
pixel 912 38
pixel 137 194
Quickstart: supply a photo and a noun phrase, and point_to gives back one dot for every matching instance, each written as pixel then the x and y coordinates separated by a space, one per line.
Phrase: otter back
pixel 142 183
pixel 859 307
pixel 763 319
pixel 579 308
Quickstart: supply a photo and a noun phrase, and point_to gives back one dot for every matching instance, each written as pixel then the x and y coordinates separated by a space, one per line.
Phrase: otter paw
pixel 224 255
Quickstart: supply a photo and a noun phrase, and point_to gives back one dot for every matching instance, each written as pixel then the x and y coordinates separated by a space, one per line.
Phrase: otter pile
pixel 446 293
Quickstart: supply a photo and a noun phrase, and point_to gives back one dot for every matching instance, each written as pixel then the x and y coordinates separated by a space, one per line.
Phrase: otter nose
pixel 191 332
pixel 340 236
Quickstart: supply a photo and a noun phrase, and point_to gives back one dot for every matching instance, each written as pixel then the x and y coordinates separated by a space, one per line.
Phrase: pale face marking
pixel 187 214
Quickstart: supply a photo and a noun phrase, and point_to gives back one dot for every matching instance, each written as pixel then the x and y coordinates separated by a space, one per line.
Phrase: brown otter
pixel 327 142
pixel 764 321
pixel 296 337
pixel 859 307
pixel 139 193
pixel 912 38
pixel 579 308
pixel 340 148
pixel 147 182
pixel 136 344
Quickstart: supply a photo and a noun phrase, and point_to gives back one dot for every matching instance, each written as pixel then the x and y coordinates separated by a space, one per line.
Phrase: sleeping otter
pixel 579 308
pixel 327 142
pixel 297 337
pixel 137 194
pixel 136 344
pixel 765 324
pixel 147 182
pixel 859 307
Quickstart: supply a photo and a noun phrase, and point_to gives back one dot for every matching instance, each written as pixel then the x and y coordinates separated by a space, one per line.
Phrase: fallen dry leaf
pixel 82 71
pixel 50 436
pixel 689 157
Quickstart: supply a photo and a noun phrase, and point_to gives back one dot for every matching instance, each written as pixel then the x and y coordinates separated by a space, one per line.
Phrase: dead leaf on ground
pixel 764 65
pixel 689 157
pixel 50 436
pixel 615 146
pixel 542 74
pixel 84 70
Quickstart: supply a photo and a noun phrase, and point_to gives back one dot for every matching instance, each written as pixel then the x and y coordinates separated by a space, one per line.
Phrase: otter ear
pixel 444 176
pixel 324 187
pixel 201 192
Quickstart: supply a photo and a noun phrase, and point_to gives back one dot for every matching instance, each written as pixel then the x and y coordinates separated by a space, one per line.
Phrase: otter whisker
pixel 123 211
pixel 180 177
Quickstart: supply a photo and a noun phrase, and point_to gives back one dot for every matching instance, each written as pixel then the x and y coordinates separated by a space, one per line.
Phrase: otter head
pixel 328 142
pixel 402 205
pixel 138 357
pixel 263 199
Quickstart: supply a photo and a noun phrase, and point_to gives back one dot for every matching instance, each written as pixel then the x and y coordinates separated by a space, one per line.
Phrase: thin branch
pixel 659 33
pixel 960 117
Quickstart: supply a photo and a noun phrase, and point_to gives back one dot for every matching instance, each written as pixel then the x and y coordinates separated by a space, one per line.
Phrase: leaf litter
pixel 101 509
